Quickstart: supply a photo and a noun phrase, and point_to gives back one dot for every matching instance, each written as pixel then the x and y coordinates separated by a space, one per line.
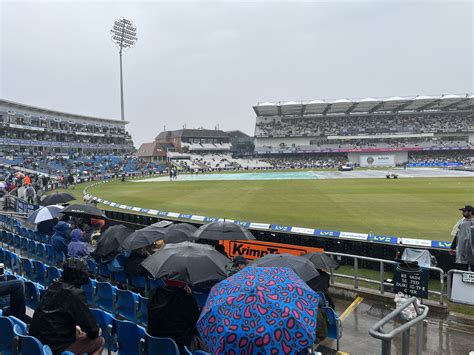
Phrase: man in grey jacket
pixel 463 243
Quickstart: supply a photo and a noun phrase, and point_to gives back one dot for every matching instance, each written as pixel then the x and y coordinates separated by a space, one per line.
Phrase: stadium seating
pixel 28 345
pixel 105 296
pixel 127 337
pixel 127 305
pixel 150 345
pixel 27 268
pixel 6 336
pixel 89 290
pixel 142 310
pixel 106 323
pixel 40 272
pixel 52 273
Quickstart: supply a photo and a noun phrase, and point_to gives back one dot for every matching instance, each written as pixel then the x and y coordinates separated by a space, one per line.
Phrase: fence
pixel 381 282
pixel 378 332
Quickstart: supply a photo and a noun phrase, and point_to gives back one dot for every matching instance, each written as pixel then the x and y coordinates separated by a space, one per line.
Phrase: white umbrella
pixel 44 214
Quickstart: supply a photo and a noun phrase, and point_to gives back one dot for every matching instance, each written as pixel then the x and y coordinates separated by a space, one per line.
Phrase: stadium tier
pixel 29 129
pixel 370 131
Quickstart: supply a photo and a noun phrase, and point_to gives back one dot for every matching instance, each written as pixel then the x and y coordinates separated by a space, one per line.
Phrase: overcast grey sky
pixel 206 63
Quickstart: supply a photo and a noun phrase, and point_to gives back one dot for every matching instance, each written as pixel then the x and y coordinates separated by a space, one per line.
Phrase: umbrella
pixel 44 214
pixel 57 198
pixel 259 311
pixel 174 233
pixel 223 231
pixel 321 261
pixel 195 263
pixel 109 242
pixel 303 267
pixel 84 211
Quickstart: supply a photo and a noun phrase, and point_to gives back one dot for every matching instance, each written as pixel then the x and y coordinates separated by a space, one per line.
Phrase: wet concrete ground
pixel 440 336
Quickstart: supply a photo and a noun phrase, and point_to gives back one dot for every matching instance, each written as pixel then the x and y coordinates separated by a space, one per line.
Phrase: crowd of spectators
pixel 360 125
pixel 466 158
pixel 307 162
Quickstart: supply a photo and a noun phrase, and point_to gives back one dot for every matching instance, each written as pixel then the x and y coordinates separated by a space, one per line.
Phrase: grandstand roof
pixel 193 133
pixel 367 105
pixel 23 108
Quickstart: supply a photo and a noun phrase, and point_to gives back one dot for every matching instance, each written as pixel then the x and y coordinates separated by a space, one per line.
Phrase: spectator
pixel 463 244
pixel 46 227
pixel 63 320
pixel 173 312
pixel 132 264
pixel 30 194
pixel 76 248
pixel 238 264
pixel 58 240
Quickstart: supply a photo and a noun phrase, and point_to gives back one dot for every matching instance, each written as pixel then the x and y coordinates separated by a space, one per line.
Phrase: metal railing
pixel 378 332
pixel 381 282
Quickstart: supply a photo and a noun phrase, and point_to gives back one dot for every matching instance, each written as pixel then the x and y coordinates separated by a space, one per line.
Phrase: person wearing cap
pixel 463 245
pixel 62 319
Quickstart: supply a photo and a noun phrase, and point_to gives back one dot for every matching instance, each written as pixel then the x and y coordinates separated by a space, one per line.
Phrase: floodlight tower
pixel 124 34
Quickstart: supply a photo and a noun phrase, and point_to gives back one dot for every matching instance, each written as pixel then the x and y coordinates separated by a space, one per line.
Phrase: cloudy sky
pixel 205 63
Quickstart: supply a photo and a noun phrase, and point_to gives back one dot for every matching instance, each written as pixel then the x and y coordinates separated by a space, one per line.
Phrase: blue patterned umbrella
pixel 259 310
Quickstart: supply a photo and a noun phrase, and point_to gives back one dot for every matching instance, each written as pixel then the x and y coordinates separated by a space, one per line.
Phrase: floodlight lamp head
pixel 124 34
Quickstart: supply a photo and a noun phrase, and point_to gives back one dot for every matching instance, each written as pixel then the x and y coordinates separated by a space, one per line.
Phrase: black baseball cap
pixel 468 208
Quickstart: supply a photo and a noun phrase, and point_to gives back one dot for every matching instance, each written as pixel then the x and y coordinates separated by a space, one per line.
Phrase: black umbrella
pixel 223 231
pixel 83 211
pixel 302 267
pixel 174 233
pixel 189 262
pixel 110 241
pixel 321 260
pixel 57 199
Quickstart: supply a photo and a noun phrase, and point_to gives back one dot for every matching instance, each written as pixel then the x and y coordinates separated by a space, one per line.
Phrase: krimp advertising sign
pixel 256 249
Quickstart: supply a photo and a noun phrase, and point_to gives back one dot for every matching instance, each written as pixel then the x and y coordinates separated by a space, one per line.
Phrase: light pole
pixel 124 34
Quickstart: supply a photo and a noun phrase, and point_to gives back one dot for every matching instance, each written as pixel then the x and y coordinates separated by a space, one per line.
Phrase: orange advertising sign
pixel 254 249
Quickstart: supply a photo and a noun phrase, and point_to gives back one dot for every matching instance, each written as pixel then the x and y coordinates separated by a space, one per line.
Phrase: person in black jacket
pixel 63 320
pixel 173 313
pixel 132 265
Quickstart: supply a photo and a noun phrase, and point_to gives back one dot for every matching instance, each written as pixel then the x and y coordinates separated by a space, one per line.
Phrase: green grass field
pixel 417 208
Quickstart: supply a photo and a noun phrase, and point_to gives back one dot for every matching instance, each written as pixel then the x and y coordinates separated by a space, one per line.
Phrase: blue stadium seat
pixel 59 257
pixel 104 271
pixel 197 352
pixel 15 264
pixel 29 345
pixel 27 268
pixel 138 282
pixel 41 251
pixel 120 277
pixel 52 273
pixel 17 239
pixel 32 294
pixel 154 283
pixel 50 254
pixel 128 337
pixel 32 248
pixel 24 245
pixel 334 325
pixel 92 266
pixel 2 255
pixel 151 345
pixel 142 310
pixel 8 259
pixel 44 238
pixel 105 296
pixel 90 290
pixel 6 336
pixel 127 305
pixel 40 272
pixel 107 323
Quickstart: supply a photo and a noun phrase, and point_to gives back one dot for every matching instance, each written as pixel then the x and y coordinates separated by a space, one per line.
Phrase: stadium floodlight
pixel 124 35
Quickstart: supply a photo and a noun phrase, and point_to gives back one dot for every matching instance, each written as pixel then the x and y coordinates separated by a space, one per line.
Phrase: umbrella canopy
pixel 174 233
pixel 44 214
pixel 303 267
pixel 194 263
pixel 111 239
pixel 321 261
pixel 223 231
pixel 57 198
pixel 84 211
pixel 259 310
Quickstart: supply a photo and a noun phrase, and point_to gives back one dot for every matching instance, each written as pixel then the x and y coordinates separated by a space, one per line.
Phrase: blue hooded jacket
pixel 76 248
pixel 58 240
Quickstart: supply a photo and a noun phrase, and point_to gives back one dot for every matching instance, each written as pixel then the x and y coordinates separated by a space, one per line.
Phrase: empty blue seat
pixel 6 336
pixel 138 282
pixel 105 296
pixel 41 251
pixel 8 259
pixel 107 323
pixel 89 290
pixel 127 305
pixel 334 325
pixel 161 346
pixel 27 268
pixel 32 294
pixel 49 254
pixel 15 264
pixel 32 247
pixel 142 310
pixel 2 255
pixel 59 257
pixel 17 243
pixel 52 273
pixel 24 245
pixel 40 272
pixel 92 266
pixel 120 277
pixel 197 352
pixel 29 345
pixel 104 271
pixel 128 337
pixel 44 239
